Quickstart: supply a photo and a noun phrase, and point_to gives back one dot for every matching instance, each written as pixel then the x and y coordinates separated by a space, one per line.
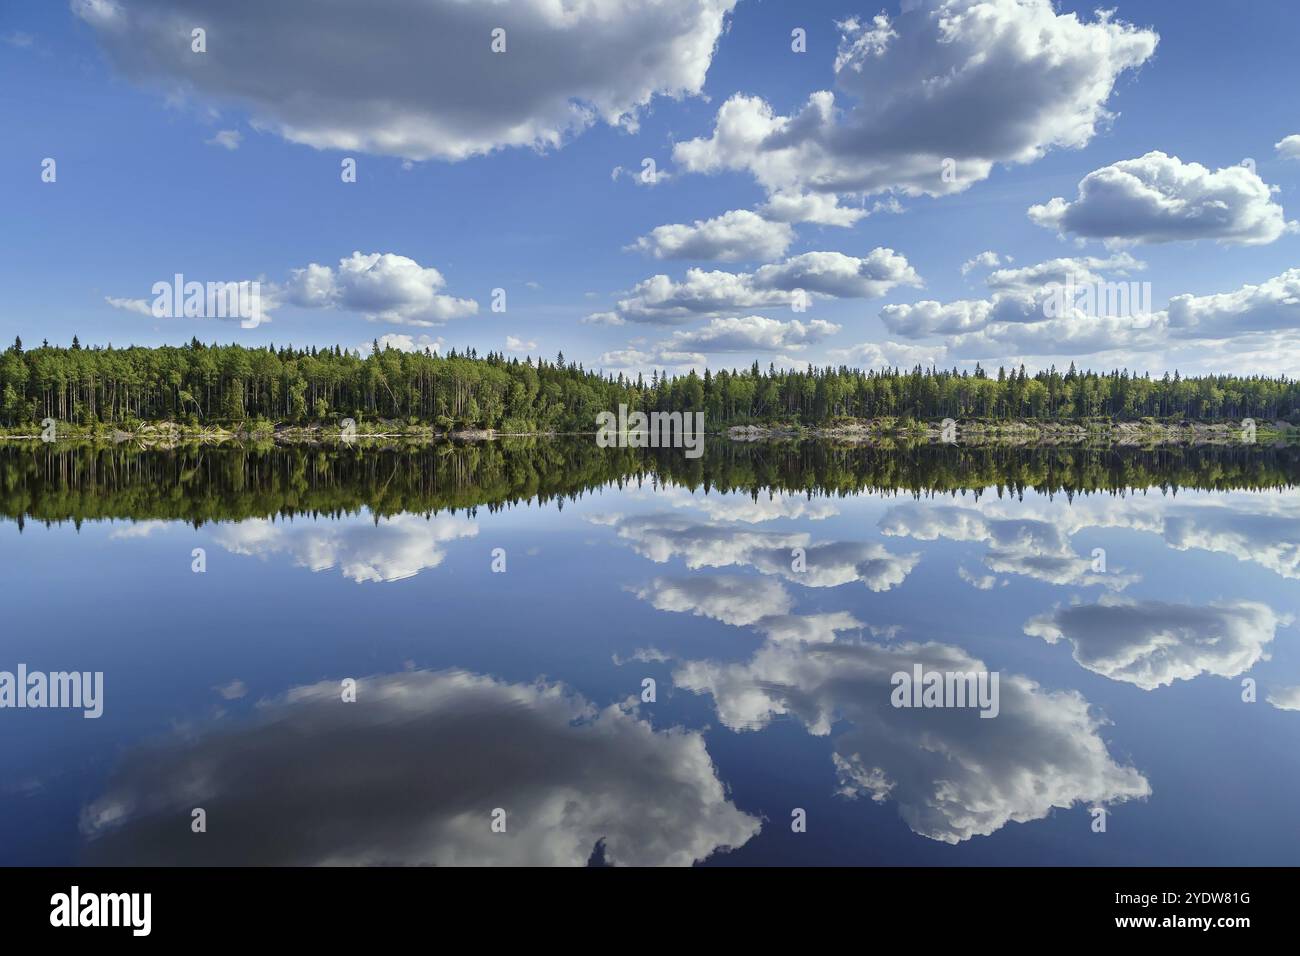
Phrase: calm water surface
pixel 769 592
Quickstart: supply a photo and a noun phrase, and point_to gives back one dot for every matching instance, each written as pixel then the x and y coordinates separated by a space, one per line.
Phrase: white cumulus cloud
pixel 419 78
pixel 1159 198
pixel 1288 147
pixel 977 82
pixel 752 333
pixel 739 235
pixel 701 294
pixel 383 287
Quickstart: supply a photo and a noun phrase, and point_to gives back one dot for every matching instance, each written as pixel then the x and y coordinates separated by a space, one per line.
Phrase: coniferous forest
pixel 201 384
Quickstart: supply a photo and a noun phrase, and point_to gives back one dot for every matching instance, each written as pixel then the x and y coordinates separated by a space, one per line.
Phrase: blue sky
pixel 479 171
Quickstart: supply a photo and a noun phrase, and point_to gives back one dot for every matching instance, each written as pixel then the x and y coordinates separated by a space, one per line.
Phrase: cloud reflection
pixel 824 564
pixel 952 775
pixel 389 549
pixel 1151 644
pixel 1034 548
pixel 410 774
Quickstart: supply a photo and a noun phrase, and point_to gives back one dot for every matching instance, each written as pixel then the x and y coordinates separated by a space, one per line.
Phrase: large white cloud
pixel 1151 644
pixel 418 78
pixel 736 236
pixel 1159 198
pixel 410 773
pixel 976 81
pixel 704 294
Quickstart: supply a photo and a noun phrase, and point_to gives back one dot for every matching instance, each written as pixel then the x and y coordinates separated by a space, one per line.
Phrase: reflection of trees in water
pixel 203 483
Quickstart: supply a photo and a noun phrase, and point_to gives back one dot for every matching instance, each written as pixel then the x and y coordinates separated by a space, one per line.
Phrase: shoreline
pixel 1031 432
pixel 858 432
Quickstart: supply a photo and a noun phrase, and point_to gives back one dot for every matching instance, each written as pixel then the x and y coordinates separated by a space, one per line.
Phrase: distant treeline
pixel 220 384
pixel 199 484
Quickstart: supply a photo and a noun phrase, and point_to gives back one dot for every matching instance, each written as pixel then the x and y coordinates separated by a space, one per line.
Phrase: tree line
pixel 219 384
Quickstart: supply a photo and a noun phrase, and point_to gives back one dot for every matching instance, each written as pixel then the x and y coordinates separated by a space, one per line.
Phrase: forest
pixel 210 384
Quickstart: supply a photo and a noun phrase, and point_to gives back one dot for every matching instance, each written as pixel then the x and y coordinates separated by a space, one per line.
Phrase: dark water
pixel 1128 600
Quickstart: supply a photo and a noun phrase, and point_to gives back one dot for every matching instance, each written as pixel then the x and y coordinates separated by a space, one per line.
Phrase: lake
pixel 545 652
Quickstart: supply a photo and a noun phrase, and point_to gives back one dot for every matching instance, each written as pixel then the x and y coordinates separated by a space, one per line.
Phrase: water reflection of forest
pixel 199 484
